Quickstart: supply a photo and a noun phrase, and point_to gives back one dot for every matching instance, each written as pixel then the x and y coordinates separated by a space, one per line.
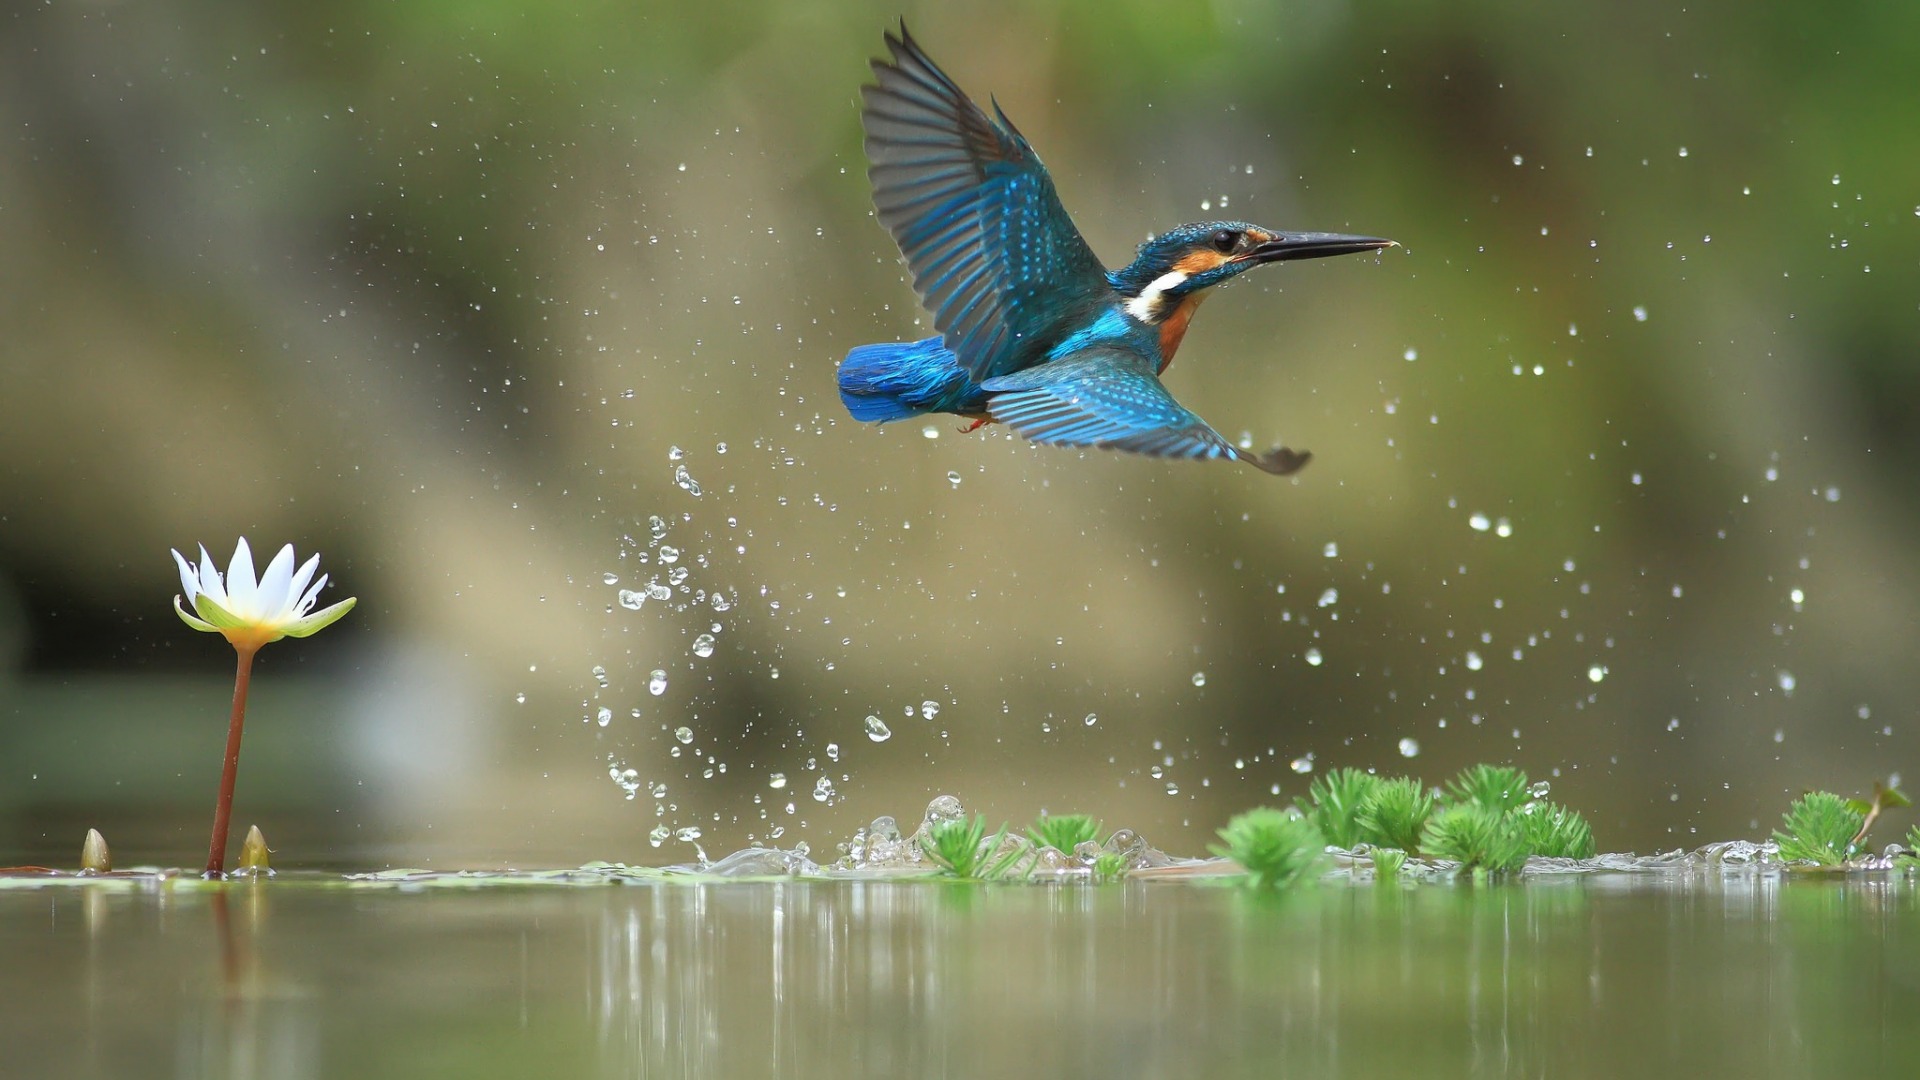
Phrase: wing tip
pixel 1279 461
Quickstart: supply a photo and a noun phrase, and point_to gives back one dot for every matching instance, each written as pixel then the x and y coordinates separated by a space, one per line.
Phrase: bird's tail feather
pixel 895 380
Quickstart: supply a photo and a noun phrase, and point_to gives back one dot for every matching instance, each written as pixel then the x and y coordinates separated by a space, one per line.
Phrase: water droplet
pixel 1331 551
pixel 1312 656
pixel 703 646
pixel 1473 660
pixel 520 698
pixel 877 729
pixel 720 602
pixel 656 525
pixel 669 554
pixel 685 481
pixel 953 479
pixel 1787 682
pixel 1479 522
pixel 604 716
pixel 822 789
pixel 1411 354
pixel 1596 672
pixel 657 682
pixel 631 600
pixel 929 709
pixel 1539 789
pixel 1409 748
pixel 657 591
pixel 1301 765
pixel 777 780
pixel 609 578
pixel 1329 598
pixel 1092 719
pixel 600 675
pixel 683 735
pixel 659 835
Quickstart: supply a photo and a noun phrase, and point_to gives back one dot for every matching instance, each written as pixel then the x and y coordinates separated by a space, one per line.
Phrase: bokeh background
pixel 525 316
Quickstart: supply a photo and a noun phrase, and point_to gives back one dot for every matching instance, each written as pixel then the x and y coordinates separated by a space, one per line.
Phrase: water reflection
pixel 1739 975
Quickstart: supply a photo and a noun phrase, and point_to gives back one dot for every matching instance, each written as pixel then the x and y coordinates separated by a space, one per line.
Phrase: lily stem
pixel 223 810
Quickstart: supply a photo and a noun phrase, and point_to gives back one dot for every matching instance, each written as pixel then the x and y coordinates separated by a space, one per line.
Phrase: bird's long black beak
pixel 1314 245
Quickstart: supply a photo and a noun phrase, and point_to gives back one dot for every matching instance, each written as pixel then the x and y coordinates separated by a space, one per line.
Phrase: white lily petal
pixel 319 620
pixel 241 586
pixel 306 602
pixel 273 597
pixel 210 578
pixel 189 577
pixel 296 589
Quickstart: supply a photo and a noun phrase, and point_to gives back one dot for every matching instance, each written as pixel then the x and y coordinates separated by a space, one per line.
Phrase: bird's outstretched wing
pixel 994 255
pixel 1110 398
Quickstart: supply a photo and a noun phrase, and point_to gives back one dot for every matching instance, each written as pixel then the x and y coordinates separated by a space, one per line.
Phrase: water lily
pixel 249 612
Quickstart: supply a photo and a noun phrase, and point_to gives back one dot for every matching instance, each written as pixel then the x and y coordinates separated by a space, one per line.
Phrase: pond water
pixel 1748 973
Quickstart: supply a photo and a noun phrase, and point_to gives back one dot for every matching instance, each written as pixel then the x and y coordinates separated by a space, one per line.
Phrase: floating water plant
pixel 1276 848
pixel 1911 860
pixel 1500 788
pixel 1819 827
pixel 959 847
pixel 1335 801
pixel 1394 814
pixel 249 613
pixel 1109 866
pixel 1552 830
pixel 1476 836
pixel 1387 863
pixel 1063 832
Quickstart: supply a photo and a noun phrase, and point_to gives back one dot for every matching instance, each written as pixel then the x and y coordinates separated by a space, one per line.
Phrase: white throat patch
pixel 1147 307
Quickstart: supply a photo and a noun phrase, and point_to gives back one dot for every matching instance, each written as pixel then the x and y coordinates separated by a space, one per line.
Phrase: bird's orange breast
pixel 1174 326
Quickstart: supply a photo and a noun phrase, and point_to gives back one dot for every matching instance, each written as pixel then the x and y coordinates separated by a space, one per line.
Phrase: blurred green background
pixel 1615 460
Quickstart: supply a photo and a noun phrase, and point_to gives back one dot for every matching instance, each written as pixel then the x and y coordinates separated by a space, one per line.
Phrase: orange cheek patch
pixel 1199 262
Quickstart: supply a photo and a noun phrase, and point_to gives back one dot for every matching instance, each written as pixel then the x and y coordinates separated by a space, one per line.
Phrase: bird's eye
pixel 1225 240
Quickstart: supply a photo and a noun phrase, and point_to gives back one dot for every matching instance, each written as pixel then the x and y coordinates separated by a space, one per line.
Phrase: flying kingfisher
pixel 1034 332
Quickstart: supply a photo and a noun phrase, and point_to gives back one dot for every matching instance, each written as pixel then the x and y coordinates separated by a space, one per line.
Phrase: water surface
pixel 1603 975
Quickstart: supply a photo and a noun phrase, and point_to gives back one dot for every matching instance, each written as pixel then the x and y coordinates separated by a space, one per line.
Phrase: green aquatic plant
pixel 1108 867
pixel 1820 827
pixel 1911 860
pixel 1500 788
pixel 1277 848
pixel 1555 831
pixel 956 847
pixel 1334 804
pixel 1063 832
pixel 1476 836
pixel 1884 796
pixel 1393 814
pixel 1387 863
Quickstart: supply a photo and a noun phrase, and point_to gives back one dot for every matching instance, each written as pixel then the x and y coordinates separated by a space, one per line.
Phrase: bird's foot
pixel 1280 461
pixel 978 423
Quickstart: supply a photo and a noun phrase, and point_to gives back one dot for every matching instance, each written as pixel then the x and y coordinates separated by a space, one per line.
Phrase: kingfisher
pixel 1034 332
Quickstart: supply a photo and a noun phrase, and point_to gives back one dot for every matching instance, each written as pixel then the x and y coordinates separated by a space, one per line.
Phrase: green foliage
pixel 1335 804
pixel 1500 788
pixel 1820 827
pixel 1394 814
pixel 1109 866
pixel 1063 832
pixel 956 847
pixel 1478 837
pixel 1911 860
pixel 1277 848
pixel 1387 863
pixel 1554 831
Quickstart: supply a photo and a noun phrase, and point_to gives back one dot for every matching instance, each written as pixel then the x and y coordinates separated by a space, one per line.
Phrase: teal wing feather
pixel 993 254
pixel 1111 398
